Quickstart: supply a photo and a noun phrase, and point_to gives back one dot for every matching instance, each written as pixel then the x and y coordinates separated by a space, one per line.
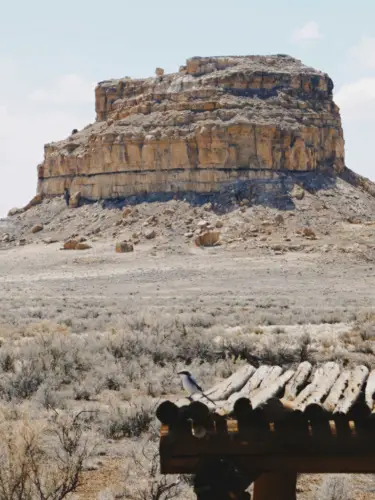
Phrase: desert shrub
pixel 43 464
pixel 142 478
pixel 129 421
pixel 335 487
pixel 367 330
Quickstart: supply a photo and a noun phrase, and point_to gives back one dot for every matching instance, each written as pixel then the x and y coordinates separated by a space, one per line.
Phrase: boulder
pixel 297 192
pixel 70 244
pixel 15 211
pixel 82 246
pixel 75 198
pixel 124 247
pixel 208 239
pixel 149 234
pixel 279 219
pixel 219 224
pixel 126 212
pixel 37 228
pixel 308 233
pixel 159 71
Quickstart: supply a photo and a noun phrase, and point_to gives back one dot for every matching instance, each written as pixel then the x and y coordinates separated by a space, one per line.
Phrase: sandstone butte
pixel 217 121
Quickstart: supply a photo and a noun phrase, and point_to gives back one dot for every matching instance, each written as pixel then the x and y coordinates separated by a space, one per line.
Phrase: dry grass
pixel 113 344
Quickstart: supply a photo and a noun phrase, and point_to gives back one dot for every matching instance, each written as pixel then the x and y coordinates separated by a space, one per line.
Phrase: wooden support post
pixel 276 486
pixel 222 480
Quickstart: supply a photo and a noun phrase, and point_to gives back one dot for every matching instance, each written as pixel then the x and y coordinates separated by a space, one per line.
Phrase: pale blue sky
pixel 53 53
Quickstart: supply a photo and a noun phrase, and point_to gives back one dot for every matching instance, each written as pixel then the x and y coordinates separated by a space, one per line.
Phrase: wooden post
pixel 276 486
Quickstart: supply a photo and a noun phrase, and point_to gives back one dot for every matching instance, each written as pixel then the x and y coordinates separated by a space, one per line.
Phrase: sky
pixel 53 53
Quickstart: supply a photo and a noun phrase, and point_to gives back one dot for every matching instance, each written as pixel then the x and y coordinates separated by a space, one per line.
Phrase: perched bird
pixel 191 386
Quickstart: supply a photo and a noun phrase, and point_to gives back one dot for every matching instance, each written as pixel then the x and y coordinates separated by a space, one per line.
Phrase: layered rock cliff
pixel 217 121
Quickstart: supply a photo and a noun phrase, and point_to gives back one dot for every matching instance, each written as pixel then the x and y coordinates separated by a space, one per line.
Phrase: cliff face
pixel 218 120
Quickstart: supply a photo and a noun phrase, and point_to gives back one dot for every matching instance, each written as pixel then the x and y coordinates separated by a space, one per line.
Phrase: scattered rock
pixel 82 246
pixel 308 233
pixel 49 241
pixel 297 192
pixel 75 198
pixel 124 247
pixel 208 239
pixel 189 235
pixel 127 211
pixel 70 244
pixel 277 247
pixel 353 220
pixel 153 220
pixel 15 211
pixel 202 224
pixel 37 228
pixel 22 242
pixel 279 219
pixel 149 234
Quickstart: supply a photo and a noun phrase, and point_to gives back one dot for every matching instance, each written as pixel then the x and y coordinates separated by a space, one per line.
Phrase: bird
pixel 191 385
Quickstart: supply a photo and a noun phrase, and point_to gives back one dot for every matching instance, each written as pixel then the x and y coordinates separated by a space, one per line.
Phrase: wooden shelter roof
pixel 293 419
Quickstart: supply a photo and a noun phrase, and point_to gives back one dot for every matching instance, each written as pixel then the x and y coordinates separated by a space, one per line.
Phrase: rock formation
pixel 218 121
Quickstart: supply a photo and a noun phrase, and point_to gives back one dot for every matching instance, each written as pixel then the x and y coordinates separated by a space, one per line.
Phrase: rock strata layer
pixel 218 120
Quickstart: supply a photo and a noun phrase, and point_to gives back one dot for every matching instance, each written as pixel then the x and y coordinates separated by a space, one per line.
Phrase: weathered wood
pixel 321 463
pixel 167 413
pixel 337 391
pixel 370 391
pixel 266 392
pixel 234 383
pixel 275 410
pixel 252 384
pixel 293 387
pixel 272 375
pixel 352 392
pixel 276 486
pixel 323 379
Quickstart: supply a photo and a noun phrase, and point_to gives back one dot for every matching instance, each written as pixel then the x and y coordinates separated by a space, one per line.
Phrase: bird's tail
pixel 213 402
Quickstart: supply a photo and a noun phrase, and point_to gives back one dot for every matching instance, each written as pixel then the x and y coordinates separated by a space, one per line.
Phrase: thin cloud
pixel 357 100
pixel 309 31
pixel 364 53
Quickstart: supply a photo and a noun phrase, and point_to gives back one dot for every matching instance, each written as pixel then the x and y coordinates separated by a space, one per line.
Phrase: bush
pixel 130 421
pixel 335 487
pixel 45 464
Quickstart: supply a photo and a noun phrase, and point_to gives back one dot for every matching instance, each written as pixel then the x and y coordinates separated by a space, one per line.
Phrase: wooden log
pixel 323 379
pixel 276 485
pixel 275 410
pixel 167 412
pixel 295 384
pixel 266 392
pixel 337 391
pixel 272 375
pixel 252 384
pixel 234 383
pixel 357 378
pixel 370 391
